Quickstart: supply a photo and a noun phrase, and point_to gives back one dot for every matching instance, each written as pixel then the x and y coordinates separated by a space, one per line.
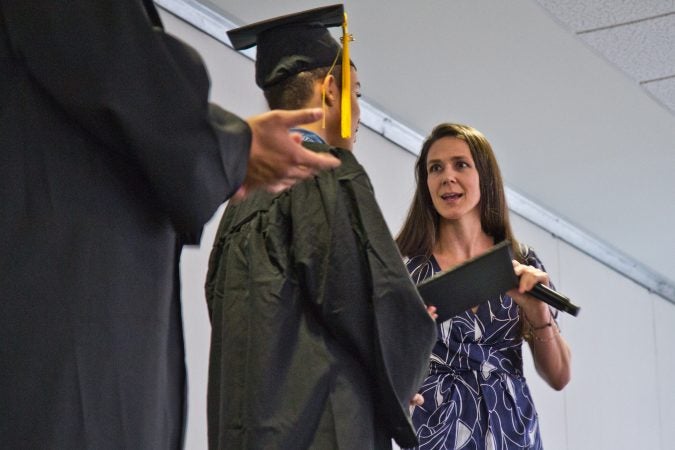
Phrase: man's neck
pixel 331 138
pixel 317 129
pixel 308 135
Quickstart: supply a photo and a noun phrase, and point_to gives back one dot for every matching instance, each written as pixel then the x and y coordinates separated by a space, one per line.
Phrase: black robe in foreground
pixel 109 153
pixel 319 337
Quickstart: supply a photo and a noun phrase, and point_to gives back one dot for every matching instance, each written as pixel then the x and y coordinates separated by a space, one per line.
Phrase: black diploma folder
pixel 471 283
pixel 479 279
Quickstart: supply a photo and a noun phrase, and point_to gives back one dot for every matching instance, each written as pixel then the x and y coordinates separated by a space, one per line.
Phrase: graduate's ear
pixel 329 90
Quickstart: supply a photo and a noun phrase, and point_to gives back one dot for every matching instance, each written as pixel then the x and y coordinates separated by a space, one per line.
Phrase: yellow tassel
pixel 346 116
pixel 323 104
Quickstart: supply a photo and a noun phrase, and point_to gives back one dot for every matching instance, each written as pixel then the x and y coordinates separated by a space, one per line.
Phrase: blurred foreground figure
pixel 111 158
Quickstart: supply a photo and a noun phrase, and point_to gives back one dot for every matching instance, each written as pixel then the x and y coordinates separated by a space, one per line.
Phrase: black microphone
pixel 554 298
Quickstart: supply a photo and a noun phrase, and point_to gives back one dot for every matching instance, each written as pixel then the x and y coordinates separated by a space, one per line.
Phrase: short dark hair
pixel 295 92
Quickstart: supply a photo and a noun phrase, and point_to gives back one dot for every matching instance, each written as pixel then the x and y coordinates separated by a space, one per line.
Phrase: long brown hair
pixel 420 229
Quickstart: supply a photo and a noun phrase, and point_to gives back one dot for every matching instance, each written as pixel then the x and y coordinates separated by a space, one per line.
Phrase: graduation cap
pixel 479 279
pixel 295 43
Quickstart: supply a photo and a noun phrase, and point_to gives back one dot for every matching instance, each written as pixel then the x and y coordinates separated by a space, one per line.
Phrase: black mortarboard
pixel 294 43
pixel 291 44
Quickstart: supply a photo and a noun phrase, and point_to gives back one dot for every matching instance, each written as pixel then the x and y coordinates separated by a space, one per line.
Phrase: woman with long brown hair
pixel 475 395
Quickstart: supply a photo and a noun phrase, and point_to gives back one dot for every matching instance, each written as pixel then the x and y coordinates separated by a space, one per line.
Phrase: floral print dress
pixel 475 395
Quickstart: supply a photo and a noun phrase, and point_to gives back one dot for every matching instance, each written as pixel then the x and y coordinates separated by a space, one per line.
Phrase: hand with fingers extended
pixel 277 159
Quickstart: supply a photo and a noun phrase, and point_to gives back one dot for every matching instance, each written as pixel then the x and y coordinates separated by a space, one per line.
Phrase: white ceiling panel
pixel 644 50
pixel 580 15
pixel 664 90
pixel 638 37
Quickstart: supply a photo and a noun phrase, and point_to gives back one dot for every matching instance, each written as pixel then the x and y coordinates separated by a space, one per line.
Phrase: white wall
pixel 623 341
pixel 614 400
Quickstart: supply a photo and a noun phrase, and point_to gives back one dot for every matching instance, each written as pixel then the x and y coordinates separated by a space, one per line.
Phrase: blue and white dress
pixel 475 396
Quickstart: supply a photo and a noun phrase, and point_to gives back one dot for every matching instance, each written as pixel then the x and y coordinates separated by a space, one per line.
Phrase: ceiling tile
pixel 580 15
pixel 644 50
pixel 664 91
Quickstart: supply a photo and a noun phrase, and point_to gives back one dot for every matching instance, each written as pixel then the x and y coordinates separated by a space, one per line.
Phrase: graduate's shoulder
pixel 349 168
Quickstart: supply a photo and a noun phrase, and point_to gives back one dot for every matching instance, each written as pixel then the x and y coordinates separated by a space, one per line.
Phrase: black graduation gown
pixel 319 338
pixel 109 152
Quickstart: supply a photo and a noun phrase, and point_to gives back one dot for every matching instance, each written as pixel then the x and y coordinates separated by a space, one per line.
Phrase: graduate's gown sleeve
pixel 137 91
